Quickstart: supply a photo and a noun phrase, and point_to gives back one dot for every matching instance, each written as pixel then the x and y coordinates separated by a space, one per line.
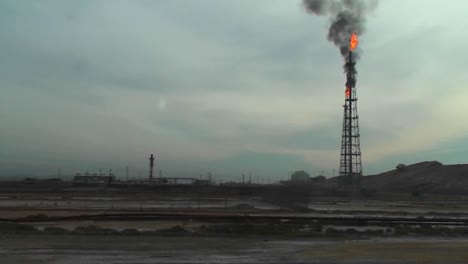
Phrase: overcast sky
pixel 224 86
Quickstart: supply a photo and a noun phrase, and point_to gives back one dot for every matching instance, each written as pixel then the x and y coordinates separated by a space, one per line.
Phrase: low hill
pixel 424 177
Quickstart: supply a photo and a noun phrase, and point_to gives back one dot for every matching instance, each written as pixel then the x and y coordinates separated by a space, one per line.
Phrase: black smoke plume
pixel 346 16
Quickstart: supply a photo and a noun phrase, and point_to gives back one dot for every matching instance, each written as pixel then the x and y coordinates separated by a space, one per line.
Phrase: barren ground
pixel 104 249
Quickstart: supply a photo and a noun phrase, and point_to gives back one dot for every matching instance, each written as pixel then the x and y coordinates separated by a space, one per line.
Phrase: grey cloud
pixel 237 77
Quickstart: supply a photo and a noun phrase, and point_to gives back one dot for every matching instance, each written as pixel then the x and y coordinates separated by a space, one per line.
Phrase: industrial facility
pixel 94 179
pixel 300 177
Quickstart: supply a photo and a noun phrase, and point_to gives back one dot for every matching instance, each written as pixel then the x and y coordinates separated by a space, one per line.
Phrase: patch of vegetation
pixel 177 229
pixel 271 228
pixel 130 232
pixel 55 230
pixel 431 230
pixel 15 228
pixel 401 167
pixel 368 193
pixel 293 228
pixel 94 230
pixel 354 232
pixel 36 218
pixel 242 206
pixel 402 230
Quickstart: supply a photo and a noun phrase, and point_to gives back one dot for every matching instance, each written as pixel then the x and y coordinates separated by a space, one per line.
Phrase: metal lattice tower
pixel 350 160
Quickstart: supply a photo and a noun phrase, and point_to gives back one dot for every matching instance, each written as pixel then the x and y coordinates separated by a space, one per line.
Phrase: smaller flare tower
pixel 350 159
pixel 151 166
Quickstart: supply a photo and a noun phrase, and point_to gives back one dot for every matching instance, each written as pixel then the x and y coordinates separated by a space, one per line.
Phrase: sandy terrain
pixel 101 249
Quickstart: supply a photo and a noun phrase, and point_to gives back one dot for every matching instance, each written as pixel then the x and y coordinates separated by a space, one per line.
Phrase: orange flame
pixel 353 42
pixel 348 92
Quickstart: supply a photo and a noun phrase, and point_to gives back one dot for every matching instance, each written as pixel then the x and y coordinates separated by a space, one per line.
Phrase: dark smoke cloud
pixel 347 17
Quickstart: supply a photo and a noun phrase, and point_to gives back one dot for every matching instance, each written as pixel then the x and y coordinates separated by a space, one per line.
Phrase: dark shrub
pixel 130 231
pixel 367 193
pixel 36 218
pixel 55 230
pixel 177 229
pixel 14 228
pixel 94 230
